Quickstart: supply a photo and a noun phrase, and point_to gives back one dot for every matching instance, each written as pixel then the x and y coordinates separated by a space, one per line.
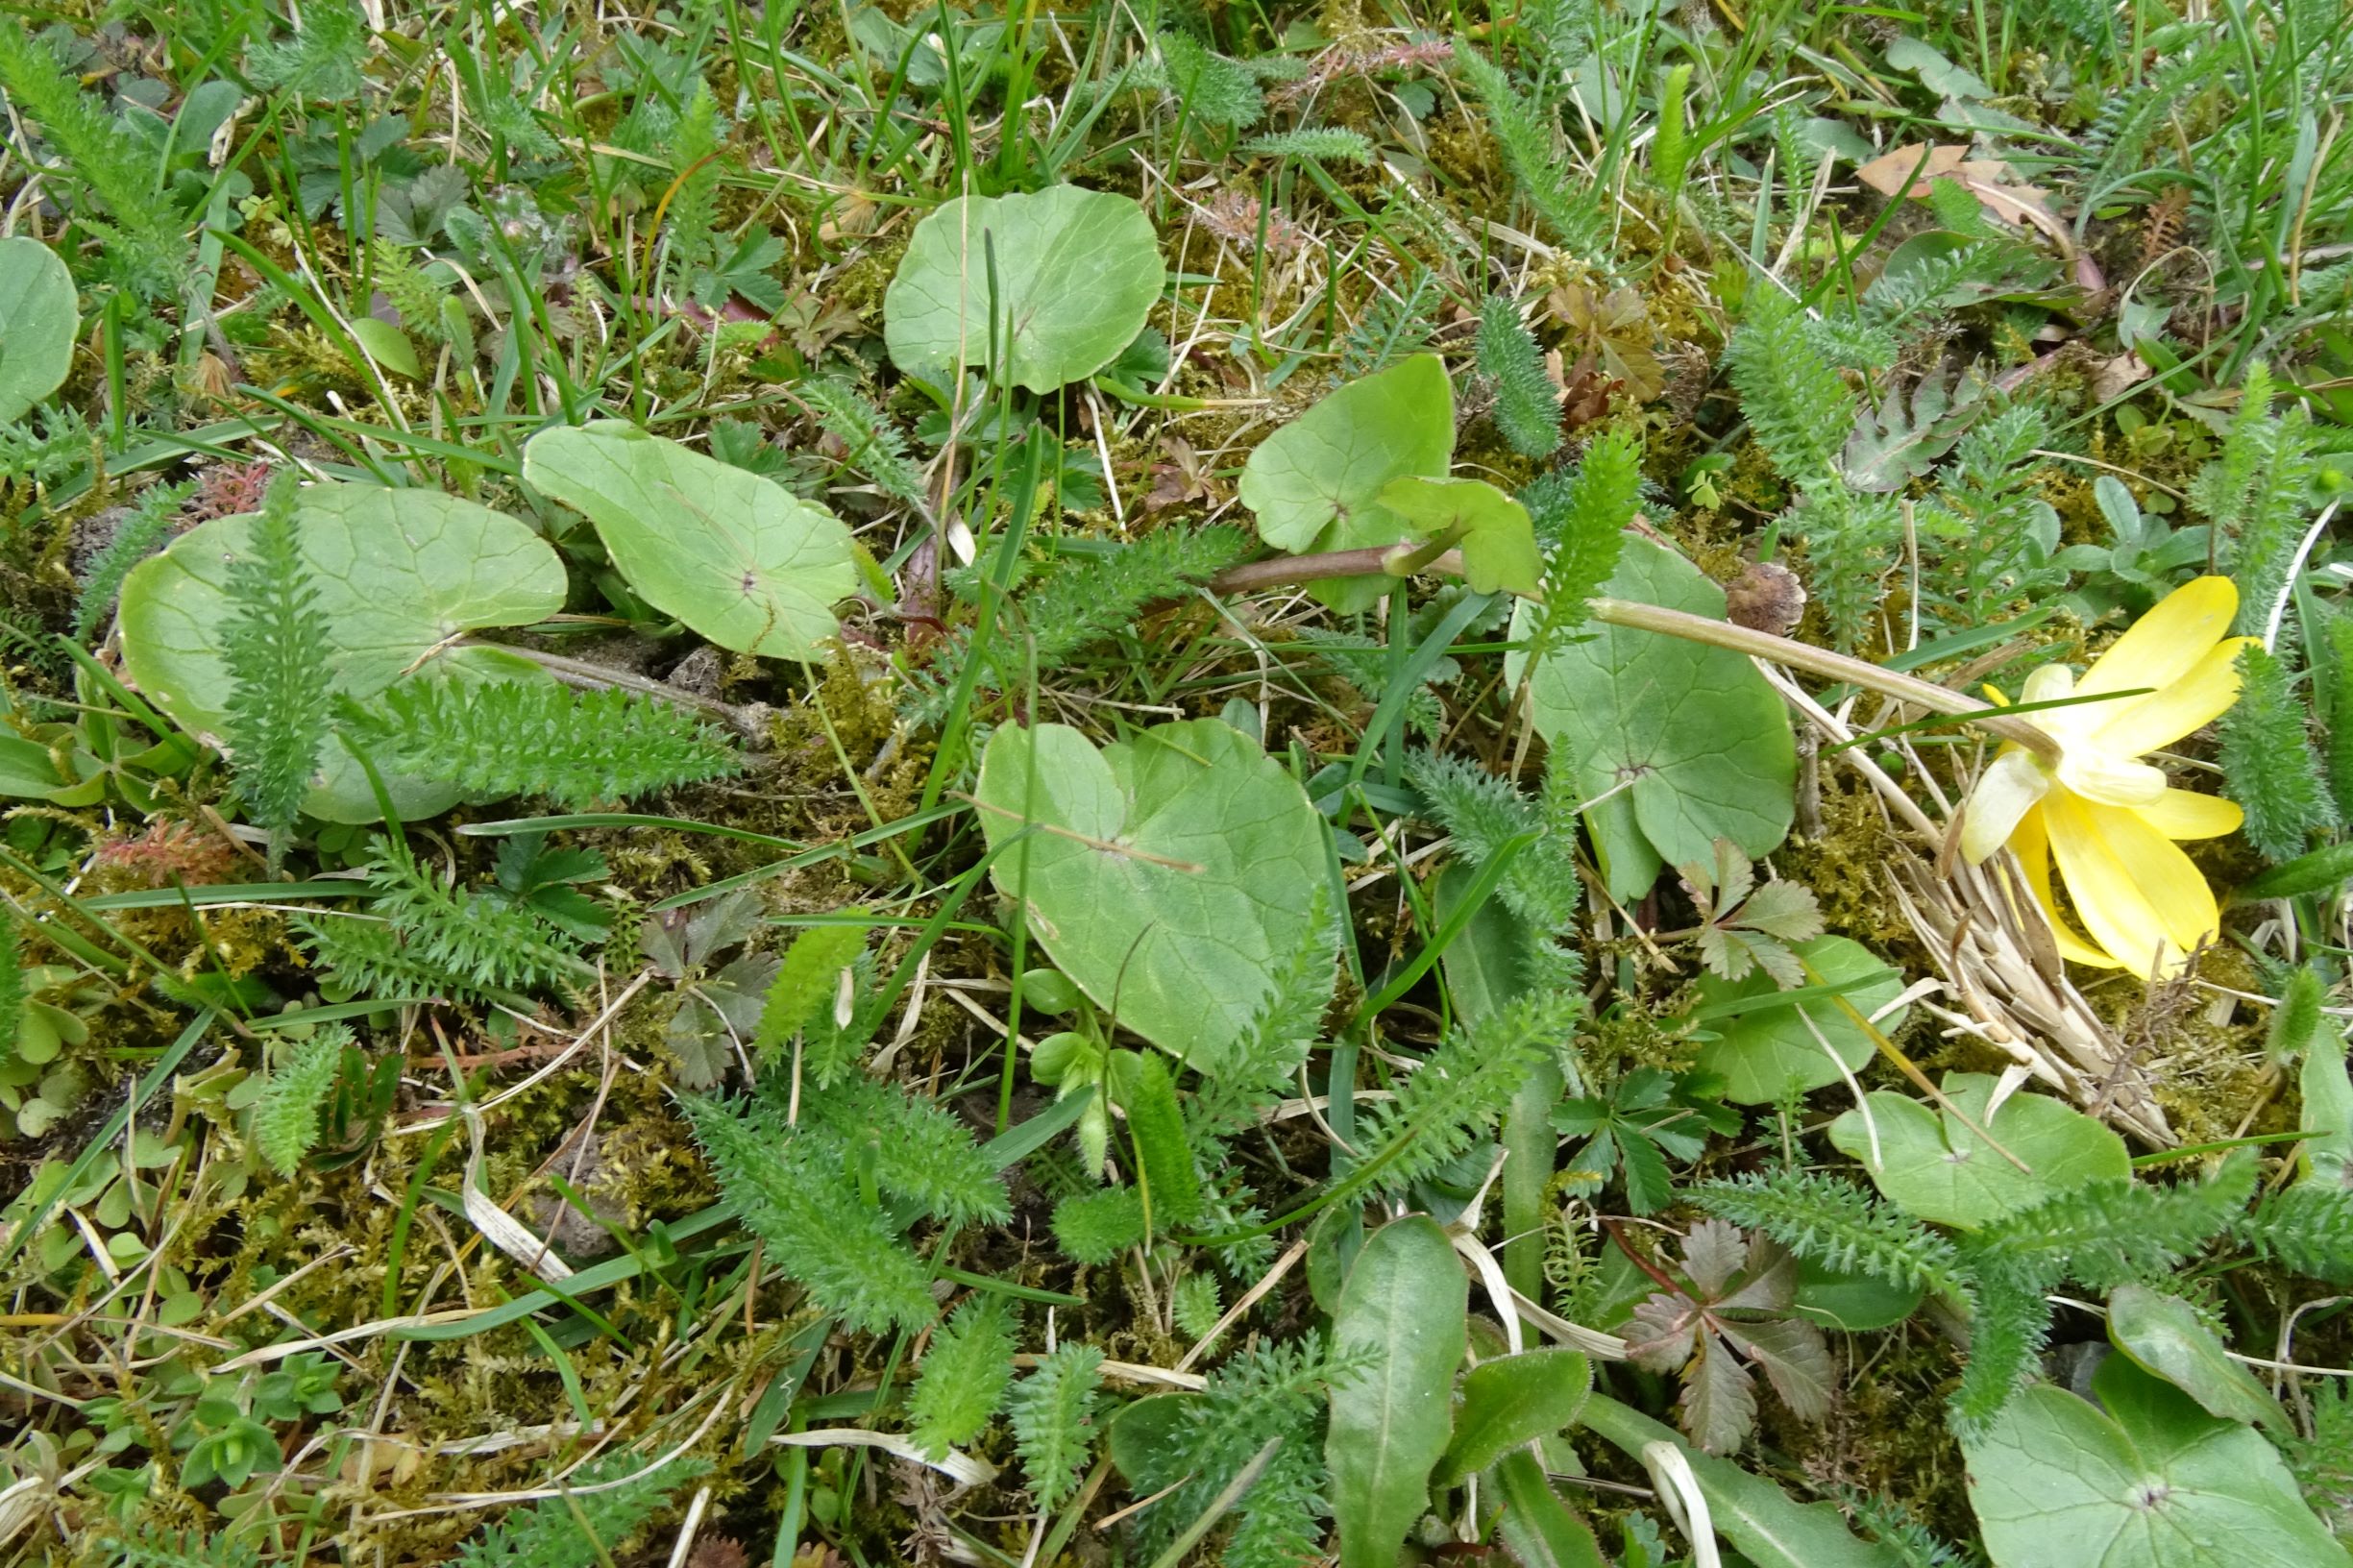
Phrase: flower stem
pixel 1289 570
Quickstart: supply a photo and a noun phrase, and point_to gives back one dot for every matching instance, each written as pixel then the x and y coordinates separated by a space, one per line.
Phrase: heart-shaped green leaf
pixel 739 558
pixel 1698 740
pixel 1404 1318
pixel 2164 1335
pixel 2154 1483
pixel 400 574
pixel 1766 1047
pixel 38 315
pixel 1315 484
pixel 1169 874
pixel 1932 1164
pixel 1072 273
pixel 1493 530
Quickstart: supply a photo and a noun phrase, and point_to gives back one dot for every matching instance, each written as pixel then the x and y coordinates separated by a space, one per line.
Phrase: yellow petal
pixel 2185 813
pixel 2170 712
pixel 2110 777
pixel 2139 896
pixel 2031 843
pixel 2006 790
pixel 2161 645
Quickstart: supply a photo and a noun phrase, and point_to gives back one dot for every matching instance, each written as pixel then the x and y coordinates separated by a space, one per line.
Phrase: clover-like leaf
pixel 1930 1163
pixel 1767 1046
pixel 1680 743
pixel 2153 1482
pixel 39 316
pixel 1497 539
pixel 1317 484
pixel 1169 874
pixel 737 557
pixel 402 575
pixel 1071 272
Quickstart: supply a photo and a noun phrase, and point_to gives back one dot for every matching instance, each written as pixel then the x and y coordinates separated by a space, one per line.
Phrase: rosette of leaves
pixel 1651 1118
pixel 719 1003
pixel 1744 927
pixel 1731 1307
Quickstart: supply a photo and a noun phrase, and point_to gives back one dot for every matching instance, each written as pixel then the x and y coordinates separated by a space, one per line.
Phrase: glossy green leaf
pixel 2164 1336
pixel 1075 274
pixel 1169 874
pixel 1315 484
pixel 39 314
pixel 1932 1164
pixel 402 575
pixel 388 346
pixel 1535 1526
pixel 1404 1314
pixel 1512 1400
pixel 27 770
pixel 1493 531
pixel 737 557
pixel 1699 741
pixel 1771 1051
pixel 1768 1526
pixel 1852 1303
pixel 2153 1482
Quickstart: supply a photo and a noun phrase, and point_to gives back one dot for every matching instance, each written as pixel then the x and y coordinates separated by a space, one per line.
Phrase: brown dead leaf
pixel 2115 376
pixel 1989 180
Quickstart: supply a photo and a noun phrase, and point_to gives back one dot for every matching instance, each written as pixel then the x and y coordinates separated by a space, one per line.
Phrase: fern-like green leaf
pixel 916 1148
pixel 1837 1224
pixel 808 981
pixel 139 536
pixel 2006 1333
pixel 286 1116
pixel 274 646
pixel 1053 1422
pixel 1581 517
pixel 1319 144
pixel 148 1547
pixel 605 1500
pixel 1460 1092
pixel 1527 408
pixel 2307 1228
pixel 796 1192
pixel 2267 760
pixel 1560 196
pixel 872 444
pixel 1797 407
pixel 535 737
pixel 2108 1232
pixel 1096 1227
pixel 963 1376
pixel 484 944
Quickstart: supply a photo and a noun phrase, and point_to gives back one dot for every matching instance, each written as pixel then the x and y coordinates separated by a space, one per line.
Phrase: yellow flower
pixel 2108 818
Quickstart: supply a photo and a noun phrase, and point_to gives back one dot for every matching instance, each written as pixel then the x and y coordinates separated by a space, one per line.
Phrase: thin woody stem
pixel 1286 570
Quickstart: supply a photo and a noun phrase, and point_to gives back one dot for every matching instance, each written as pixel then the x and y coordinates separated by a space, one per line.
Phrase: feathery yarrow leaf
pixel 286 1116
pixel 275 645
pixel 533 737
pixel 964 1374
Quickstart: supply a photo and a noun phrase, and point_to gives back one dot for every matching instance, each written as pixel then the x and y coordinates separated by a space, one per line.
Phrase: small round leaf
pixel 1075 274
pixel 738 557
pixel 1765 1049
pixel 400 574
pixel 39 316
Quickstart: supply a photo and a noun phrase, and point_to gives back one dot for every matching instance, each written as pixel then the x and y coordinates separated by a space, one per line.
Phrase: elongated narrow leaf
pixel 1405 1310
